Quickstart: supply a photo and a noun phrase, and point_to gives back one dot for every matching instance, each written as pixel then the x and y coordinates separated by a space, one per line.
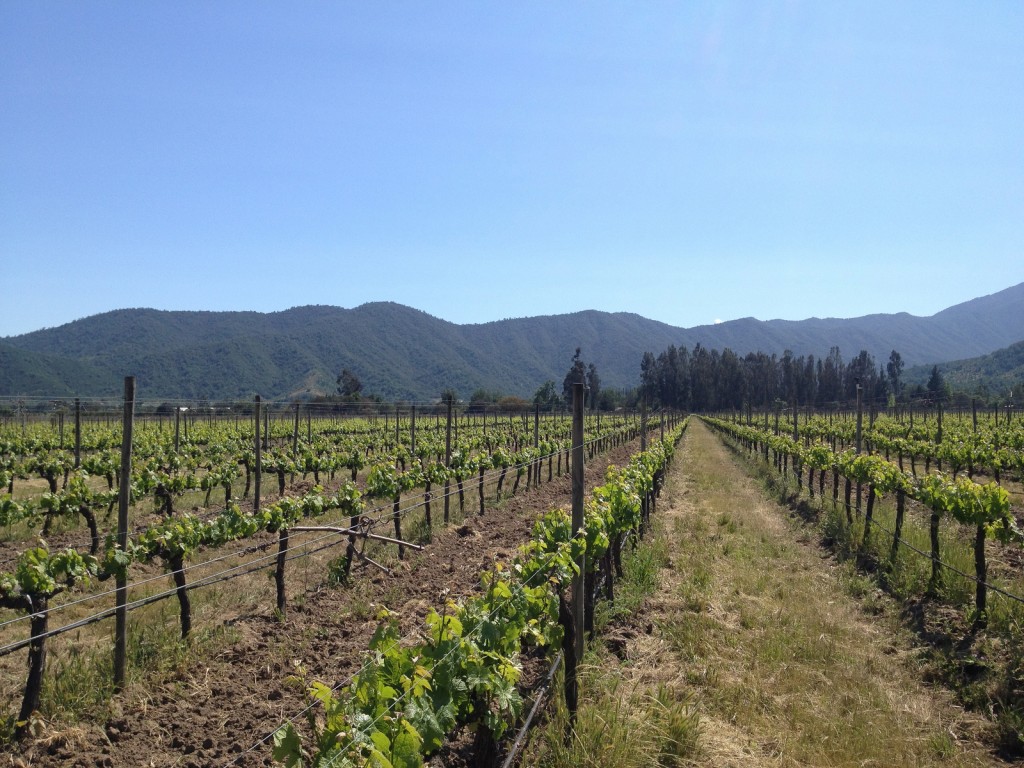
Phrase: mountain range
pixel 998 373
pixel 403 353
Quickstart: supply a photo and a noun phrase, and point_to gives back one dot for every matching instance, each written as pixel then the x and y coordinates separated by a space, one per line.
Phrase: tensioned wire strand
pixel 519 586
pixel 220 576
pixel 479 627
pixel 489 475
pixel 348 680
pixel 215 578
pixel 227 574
pixel 928 555
pixel 204 581
pixel 383 517
pixel 135 584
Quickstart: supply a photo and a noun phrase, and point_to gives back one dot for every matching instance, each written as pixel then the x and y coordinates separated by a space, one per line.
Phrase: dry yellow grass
pixel 786 668
pixel 755 633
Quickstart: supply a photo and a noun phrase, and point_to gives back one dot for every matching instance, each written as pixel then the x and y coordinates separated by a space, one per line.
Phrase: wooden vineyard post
pixel 536 443
pixel 124 491
pixel 643 425
pixel 295 434
pixel 396 515
pixel 78 433
pixel 259 458
pixel 897 532
pixel 38 623
pixel 933 534
pixel 282 553
pixel 447 461
pixel 860 415
pixel 412 430
pixel 177 427
pixel 796 439
pixel 578 591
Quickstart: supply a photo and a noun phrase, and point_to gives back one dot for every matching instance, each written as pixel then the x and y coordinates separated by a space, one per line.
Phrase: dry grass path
pixel 753 632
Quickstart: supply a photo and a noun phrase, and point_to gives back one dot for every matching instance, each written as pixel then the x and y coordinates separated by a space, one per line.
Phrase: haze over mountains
pixel 403 353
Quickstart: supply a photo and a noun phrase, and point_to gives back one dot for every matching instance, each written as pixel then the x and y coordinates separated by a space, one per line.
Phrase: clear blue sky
pixel 688 161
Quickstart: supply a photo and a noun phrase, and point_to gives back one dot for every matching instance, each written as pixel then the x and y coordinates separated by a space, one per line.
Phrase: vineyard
pixel 399 586
pixel 377 531
pixel 933 511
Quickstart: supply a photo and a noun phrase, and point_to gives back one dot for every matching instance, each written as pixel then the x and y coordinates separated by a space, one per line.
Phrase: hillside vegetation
pixel 999 371
pixel 403 353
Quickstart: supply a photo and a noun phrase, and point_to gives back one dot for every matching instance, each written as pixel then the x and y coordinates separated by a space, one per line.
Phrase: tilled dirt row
pixel 217 712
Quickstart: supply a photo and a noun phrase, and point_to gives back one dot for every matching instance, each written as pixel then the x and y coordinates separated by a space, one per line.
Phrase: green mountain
pixel 998 373
pixel 403 353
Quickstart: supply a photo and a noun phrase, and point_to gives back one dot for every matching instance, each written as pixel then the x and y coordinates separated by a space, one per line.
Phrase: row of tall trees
pixel 597 397
pixel 706 379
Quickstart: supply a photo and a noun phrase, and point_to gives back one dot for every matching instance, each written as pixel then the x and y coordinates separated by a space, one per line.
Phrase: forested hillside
pixel 1000 371
pixel 403 353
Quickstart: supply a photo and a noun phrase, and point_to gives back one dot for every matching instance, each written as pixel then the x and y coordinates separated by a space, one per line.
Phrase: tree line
pixel 705 379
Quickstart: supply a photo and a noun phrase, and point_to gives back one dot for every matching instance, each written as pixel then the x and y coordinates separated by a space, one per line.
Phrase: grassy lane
pixel 752 653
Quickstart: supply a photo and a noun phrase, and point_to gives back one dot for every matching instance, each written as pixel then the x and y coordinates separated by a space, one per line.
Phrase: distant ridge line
pixel 403 353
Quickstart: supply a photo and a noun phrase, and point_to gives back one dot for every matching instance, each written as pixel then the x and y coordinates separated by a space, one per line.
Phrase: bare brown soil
pixel 222 709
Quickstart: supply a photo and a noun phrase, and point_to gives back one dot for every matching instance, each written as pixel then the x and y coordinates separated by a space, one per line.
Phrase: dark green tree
pixel 349 385
pixel 731 382
pixel 577 372
pixel 790 371
pixel 673 376
pixel 593 386
pixel 480 399
pixel 546 395
pixel 807 381
pixel 612 399
pixel 702 379
pixel 881 392
pixel 830 377
pixel 649 388
pixel 894 370
pixel 936 384
pixel 762 378
pixel 861 370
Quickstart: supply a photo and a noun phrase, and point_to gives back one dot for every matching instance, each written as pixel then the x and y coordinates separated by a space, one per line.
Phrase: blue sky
pixel 687 161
